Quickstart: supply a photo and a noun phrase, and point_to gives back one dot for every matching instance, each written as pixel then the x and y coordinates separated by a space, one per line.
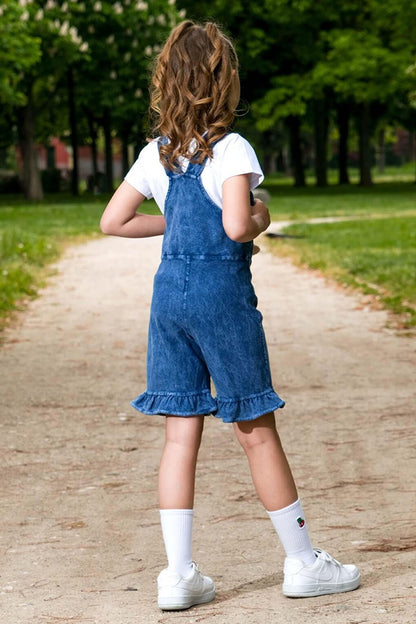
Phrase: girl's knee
pixel 185 431
pixel 253 433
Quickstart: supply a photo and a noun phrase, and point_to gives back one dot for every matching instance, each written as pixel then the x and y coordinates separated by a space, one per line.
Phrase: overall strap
pixel 193 169
pixel 163 140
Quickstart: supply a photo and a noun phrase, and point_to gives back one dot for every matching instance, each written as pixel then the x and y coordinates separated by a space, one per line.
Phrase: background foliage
pixel 314 75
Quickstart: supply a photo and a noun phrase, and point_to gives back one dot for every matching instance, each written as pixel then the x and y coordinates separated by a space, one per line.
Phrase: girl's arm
pixel 242 222
pixel 120 218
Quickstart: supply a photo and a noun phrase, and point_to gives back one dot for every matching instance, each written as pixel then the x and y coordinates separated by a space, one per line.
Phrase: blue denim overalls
pixel 204 323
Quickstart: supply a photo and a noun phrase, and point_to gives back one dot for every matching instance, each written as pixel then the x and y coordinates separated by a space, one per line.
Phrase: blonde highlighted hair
pixel 193 91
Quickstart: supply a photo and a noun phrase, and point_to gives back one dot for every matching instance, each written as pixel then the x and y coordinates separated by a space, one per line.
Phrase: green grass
pixel 375 254
pixel 289 203
pixel 32 235
pixel 22 256
pixel 378 256
pixel 398 174
pixel 370 251
pixel 57 215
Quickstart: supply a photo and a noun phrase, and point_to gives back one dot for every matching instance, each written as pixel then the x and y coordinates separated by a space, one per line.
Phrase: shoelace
pixel 327 557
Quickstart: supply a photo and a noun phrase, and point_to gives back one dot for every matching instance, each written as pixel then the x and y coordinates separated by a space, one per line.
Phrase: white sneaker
pixel 325 576
pixel 176 592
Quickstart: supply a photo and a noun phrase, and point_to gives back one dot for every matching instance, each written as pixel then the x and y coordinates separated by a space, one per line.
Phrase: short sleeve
pixel 138 176
pixel 239 158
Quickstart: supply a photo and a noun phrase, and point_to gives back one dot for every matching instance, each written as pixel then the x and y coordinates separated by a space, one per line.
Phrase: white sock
pixel 291 528
pixel 177 535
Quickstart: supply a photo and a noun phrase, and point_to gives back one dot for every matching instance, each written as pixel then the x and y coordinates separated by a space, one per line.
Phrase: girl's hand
pixel 261 214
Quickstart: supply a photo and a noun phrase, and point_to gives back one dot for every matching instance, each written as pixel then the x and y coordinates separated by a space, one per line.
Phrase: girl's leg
pixel 181 584
pixel 178 462
pixel 306 572
pixel 176 489
pixel 269 467
pixel 274 483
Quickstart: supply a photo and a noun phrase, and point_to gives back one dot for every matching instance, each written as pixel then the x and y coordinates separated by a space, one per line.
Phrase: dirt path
pixel 80 539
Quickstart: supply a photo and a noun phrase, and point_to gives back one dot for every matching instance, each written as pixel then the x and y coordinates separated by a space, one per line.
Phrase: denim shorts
pixel 207 352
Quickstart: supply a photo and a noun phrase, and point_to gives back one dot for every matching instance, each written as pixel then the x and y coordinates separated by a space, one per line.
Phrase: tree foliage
pixel 19 51
pixel 303 65
pixel 102 48
pixel 122 37
pixel 303 59
pixel 359 52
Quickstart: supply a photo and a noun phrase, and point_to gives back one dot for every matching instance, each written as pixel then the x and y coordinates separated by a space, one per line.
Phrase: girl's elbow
pixel 104 227
pixel 237 233
pixel 240 238
pixel 107 226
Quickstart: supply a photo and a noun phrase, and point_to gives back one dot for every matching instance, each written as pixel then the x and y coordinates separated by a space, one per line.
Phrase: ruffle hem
pixel 248 408
pixel 197 404
pixel 202 403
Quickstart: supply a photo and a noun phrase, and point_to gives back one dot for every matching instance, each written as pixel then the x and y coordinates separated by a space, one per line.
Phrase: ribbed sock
pixel 177 535
pixel 291 528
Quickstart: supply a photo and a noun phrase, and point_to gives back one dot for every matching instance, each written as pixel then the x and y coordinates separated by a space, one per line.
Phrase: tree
pixel 48 24
pixel 18 52
pixel 278 42
pixel 92 63
pixel 351 57
pixel 112 84
pixel 367 69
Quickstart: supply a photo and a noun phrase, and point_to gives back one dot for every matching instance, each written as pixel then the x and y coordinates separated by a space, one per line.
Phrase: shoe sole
pixel 174 603
pixel 321 590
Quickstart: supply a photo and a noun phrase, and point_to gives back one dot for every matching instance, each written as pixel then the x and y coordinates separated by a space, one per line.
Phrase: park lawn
pixel 289 203
pixel 32 235
pixel 397 174
pixel 377 256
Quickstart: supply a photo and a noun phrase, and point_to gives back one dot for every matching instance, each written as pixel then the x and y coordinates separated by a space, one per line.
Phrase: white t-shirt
pixel 232 156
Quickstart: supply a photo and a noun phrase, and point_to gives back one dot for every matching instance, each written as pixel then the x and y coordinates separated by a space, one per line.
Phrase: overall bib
pixel 204 324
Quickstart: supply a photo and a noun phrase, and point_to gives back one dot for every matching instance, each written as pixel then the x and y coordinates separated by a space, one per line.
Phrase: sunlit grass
pixel 32 235
pixel 300 203
pixel 378 256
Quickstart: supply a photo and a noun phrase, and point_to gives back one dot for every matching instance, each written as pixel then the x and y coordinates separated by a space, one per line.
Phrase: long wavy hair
pixel 194 92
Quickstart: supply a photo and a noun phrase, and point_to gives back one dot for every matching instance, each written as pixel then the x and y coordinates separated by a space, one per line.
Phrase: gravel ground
pixel 80 537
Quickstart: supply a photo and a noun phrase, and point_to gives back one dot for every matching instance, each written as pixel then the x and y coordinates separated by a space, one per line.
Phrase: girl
pixel 204 323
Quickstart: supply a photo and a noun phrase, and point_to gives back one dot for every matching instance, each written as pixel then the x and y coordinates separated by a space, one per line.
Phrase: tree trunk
pixel 125 155
pixel 321 142
pixel 50 157
pixel 94 154
pixel 414 151
pixel 281 161
pixel 364 122
pixel 381 151
pixel 94 149
pixel 74 133
pixel 92 127
pixel 32 184
pixel 296 157
pixel 343 118
pixel 270 163
pixel 109 178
